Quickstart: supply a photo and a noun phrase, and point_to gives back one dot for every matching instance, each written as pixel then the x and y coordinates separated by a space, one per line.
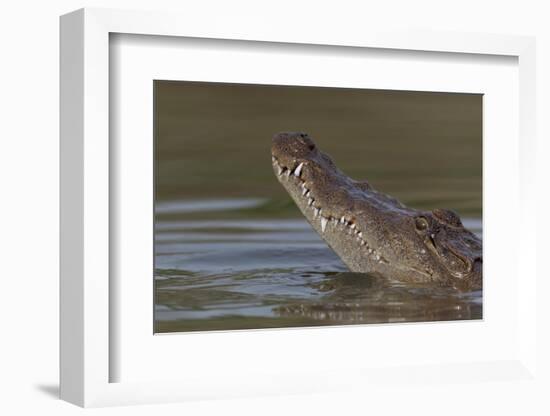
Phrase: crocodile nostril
pixel 309 143
pixel 305 140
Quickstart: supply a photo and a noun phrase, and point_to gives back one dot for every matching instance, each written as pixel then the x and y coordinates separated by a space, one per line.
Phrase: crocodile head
pixel 370 231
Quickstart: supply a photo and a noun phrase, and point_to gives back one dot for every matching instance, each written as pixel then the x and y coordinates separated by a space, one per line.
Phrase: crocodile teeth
pixel 316 212
pixel 353 226
pixel 280 170
pixel 298 170
pixel 305 191
pixel 309 202
pixel 323 223
pixel 343 220
pixel 287 173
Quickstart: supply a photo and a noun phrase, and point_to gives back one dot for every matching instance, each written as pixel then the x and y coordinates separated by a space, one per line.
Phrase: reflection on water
pixel 180 207
pixel 265 273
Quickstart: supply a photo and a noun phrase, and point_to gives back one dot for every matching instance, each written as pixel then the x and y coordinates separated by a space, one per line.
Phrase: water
pixel 221 274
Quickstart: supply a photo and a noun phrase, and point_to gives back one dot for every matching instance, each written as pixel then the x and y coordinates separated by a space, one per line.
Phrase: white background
pixel 29 208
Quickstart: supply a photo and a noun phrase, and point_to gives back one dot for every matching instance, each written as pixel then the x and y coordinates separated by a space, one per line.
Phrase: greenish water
pixel 231 249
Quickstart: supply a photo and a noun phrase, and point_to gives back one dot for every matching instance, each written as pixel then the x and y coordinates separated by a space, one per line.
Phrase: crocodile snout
pixel 293 144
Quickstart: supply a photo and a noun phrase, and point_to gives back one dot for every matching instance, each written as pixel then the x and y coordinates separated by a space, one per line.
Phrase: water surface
pixel 220 274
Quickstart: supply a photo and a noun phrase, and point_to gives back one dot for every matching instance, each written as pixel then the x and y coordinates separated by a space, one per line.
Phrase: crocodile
pixel 373 232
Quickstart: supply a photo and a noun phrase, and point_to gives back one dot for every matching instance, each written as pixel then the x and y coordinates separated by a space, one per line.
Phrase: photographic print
pixel 292 206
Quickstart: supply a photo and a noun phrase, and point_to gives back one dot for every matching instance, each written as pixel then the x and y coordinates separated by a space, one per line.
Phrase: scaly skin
pixel 372 232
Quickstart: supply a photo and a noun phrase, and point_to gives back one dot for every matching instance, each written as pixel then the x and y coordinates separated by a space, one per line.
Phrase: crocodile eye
pixel 421 223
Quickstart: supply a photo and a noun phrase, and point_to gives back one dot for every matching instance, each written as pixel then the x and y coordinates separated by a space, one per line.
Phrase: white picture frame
pixel 86 304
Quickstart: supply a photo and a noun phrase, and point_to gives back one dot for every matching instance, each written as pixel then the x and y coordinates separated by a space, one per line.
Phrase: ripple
pixel 234 274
